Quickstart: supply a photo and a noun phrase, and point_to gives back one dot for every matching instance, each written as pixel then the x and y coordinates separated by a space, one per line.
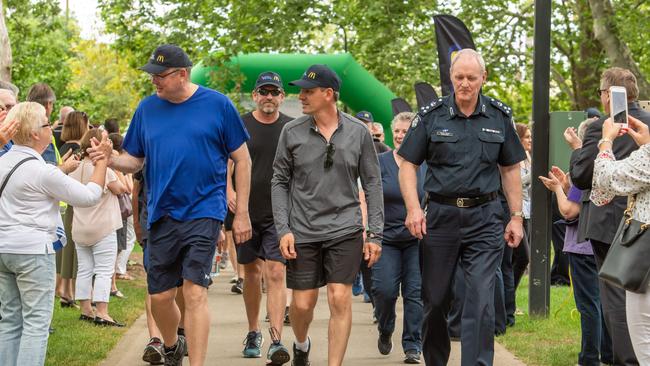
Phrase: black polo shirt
pixel 463 152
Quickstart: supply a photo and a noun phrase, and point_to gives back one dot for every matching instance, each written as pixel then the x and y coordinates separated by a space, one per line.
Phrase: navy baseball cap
pixel 318 76
pixel 365 116
pixel 592 112
pixel 165 57
pixel 269 78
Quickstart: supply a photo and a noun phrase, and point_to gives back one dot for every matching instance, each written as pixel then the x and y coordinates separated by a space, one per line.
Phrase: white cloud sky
pixel 87 15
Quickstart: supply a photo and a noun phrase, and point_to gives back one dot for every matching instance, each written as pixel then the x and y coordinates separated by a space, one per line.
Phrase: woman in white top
pixel 31 226
pixel 628 177
pixel 94 233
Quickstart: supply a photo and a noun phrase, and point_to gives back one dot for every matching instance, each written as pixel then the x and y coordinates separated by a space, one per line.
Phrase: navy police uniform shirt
pixel 463 152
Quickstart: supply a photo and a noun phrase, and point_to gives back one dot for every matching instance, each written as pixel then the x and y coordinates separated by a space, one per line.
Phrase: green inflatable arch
pixel 359 89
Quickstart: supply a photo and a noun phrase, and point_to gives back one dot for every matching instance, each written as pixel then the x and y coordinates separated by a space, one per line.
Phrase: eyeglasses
pixel 328 156
pixel 265 92
pixel 600 91
pixel 162 76
pixel 46 125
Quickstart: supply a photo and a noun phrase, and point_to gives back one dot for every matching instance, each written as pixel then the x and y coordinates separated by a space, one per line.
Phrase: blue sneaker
pixel 357 285
pixel 277 355
pixel 253 345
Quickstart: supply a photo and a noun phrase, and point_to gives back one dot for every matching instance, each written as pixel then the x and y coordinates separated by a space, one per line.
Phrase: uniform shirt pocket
pixel 443 147
pixel 491 145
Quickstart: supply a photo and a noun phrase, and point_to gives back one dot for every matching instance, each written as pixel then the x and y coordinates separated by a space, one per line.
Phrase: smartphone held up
pixel 618 105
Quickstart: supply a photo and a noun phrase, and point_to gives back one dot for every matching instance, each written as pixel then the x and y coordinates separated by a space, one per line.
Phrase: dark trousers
pixel 595 342
pixel 612 299
pixel 521 257
pixel 560 266
pixel 473 236
pixel 509 289
pixel 366 277
pixel 399 266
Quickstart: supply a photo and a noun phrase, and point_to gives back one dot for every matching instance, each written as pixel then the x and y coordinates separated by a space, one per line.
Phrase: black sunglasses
pixel 265 92
pixel 328 156
pixel 600 92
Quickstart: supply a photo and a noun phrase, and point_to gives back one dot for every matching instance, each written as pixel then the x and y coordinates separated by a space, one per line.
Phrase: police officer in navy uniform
pixel 467 140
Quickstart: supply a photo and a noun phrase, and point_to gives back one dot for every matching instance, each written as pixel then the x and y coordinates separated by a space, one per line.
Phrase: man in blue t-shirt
pixel 185 134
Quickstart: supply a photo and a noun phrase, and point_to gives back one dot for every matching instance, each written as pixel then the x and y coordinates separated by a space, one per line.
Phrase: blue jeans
pixel 399 265
pixel 27 297
pixel 596 344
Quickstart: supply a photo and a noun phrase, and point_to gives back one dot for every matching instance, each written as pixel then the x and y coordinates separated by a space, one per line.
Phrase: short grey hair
pixel 582 127
pixel 469 53
pixel 402 116
pixel 9 86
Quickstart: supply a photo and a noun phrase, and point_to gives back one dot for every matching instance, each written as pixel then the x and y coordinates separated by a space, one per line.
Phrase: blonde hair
pixel 30 117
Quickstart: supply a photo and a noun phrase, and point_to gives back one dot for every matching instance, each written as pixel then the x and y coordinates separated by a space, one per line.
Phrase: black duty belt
pixel 462 202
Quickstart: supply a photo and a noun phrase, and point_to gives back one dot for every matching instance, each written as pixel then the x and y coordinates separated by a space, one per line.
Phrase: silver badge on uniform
pixel 415 121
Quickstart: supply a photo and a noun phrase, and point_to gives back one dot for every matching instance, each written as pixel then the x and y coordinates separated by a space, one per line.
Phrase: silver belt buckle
pixel 460 202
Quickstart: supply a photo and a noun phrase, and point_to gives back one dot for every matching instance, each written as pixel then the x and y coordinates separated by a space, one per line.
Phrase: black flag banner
pixel 451 36
pixel 424 93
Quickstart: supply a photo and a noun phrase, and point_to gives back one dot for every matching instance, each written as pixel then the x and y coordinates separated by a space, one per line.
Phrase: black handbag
pixel 627 263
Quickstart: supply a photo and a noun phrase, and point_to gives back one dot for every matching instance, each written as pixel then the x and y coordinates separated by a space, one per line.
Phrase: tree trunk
pixel 5 48
pixel 617 51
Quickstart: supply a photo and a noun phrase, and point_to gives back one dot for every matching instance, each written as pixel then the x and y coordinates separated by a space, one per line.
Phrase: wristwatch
pixel 517 214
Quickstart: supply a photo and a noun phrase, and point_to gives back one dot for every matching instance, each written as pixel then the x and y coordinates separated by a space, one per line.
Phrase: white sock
pixel 302 346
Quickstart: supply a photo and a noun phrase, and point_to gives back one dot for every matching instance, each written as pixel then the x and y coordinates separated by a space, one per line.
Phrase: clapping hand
pixel 572 139
pixel 7 131
pixel 70 162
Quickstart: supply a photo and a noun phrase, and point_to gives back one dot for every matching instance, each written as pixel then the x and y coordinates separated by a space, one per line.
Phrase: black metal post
pixel 539 288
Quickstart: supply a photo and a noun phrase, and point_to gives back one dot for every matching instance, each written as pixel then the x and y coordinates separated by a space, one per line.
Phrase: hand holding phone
pixel 618 105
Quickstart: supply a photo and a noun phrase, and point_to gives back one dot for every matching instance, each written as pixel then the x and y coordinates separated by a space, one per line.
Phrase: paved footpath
pixel 229 328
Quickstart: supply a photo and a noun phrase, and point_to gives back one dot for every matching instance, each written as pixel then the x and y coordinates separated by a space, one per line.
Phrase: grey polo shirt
pixel 317 203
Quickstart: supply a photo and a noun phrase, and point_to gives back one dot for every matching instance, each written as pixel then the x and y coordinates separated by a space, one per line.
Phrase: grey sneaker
pixel 384 343
pixel 253 345
pixel 175 357
pixel 412 356
pixel 238 287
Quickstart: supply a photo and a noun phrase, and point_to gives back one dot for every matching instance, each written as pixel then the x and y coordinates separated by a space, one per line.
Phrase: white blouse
pixel 29 205
pixel 629 176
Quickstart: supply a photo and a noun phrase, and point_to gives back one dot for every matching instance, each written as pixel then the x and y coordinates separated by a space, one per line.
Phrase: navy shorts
pixel 181 250
pixel 264 244
pixel 330 261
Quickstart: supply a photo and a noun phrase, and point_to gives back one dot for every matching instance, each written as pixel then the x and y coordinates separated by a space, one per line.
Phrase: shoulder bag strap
pixel 2 188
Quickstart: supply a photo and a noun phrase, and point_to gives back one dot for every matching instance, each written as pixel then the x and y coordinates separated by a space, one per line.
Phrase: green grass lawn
pixel 77 343
pixel 552 341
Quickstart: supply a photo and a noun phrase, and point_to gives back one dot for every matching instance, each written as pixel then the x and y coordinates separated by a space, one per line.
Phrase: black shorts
pixel 181 250
pixel 264 244
pixel 330 261
pixel 227 223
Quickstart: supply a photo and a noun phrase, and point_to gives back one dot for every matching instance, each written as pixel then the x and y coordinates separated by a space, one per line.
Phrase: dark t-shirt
pixel 68 146
pixel 395 233
pixel 262 145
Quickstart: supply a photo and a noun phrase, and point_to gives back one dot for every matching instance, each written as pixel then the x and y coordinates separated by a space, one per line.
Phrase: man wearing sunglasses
pixel 185 134
pixel 316 208
pixel 262 253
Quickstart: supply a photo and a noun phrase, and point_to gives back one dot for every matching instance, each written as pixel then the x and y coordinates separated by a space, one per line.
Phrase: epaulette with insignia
pixel 430 107
pixel 501 106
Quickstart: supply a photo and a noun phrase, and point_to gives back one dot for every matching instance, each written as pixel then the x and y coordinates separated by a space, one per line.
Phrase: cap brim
pixel 305 84
pixel 153 68
pixel 272 83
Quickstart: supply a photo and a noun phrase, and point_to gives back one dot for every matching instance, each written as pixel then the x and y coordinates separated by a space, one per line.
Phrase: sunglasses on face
pixel 328 156
pixel 265 92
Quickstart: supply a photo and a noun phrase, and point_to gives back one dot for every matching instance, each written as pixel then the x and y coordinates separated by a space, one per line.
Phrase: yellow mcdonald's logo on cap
pixel 160 58
pixel 276 78
pixel 311 75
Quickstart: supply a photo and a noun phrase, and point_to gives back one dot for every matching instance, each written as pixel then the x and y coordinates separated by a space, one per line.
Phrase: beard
pixel 268 108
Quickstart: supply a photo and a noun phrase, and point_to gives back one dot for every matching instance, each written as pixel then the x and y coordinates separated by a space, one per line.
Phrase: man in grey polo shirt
pixel 315 194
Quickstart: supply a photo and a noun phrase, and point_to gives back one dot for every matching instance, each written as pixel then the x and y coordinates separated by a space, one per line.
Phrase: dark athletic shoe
pixel 153 352
pixel 175 356
pixel 301 358
pixel 384 343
